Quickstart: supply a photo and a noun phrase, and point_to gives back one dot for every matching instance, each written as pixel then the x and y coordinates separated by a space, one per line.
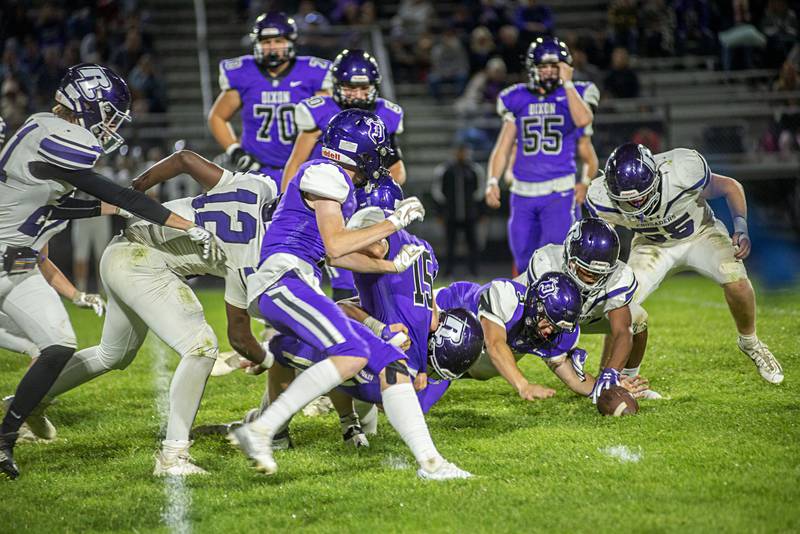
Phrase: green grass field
pixel 722 455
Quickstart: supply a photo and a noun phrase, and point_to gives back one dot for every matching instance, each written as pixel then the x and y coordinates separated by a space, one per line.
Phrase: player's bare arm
pixel 64 286
pixel 503 360
pixel 225 107
pixel 240 335
pixel 588 157
pixel 498 161
pixel 303 146
pixel 338 240
pixel 579 110
pixel 732 190
pixel 621 337
pixel 563 369
pixel 204 172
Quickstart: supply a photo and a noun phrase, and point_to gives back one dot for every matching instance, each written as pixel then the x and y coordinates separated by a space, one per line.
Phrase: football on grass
pixel 617 401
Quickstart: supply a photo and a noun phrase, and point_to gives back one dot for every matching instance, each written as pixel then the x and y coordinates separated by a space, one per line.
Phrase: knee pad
pixel 638 318
pixel 393 369
pixel 205 344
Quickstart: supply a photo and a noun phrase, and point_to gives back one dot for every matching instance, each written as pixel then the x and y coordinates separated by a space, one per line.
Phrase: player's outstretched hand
pixel 407 256
pixel 531 392
pixel 636 385
pixel 211 251
pixel 90 300
pixel 742 245
pixel 406 212
pixel 493 196
pixel 396 334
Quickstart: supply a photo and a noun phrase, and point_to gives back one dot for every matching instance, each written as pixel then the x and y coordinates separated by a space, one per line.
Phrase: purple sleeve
pixel 432 393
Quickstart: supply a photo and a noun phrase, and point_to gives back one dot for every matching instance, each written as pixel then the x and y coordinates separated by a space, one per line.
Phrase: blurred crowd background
pixel 662 66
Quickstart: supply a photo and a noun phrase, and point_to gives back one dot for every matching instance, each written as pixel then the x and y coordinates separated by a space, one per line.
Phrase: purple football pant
pixel 294 308
pixel 538 221
pixel 341 279
pixel 291 352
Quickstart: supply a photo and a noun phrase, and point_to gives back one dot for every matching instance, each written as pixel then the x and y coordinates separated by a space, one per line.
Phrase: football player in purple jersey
pixel 265 85
pixel 309 225
pixel 548 120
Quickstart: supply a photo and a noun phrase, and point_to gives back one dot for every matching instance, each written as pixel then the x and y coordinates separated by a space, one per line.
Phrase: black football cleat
pixel 8 467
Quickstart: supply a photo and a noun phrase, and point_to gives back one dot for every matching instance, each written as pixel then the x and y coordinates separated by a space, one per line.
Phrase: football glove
pixel 240 159
pixel 578 359
pixel 200 235
pixel 609 377
pixel 406 212
pixel 90 300
pixel 407 257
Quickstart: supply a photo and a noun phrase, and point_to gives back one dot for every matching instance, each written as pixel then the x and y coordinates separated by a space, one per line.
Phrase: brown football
pixel 616 401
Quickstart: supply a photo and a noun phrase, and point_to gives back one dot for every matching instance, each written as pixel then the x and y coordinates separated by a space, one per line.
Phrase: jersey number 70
pixel 284 114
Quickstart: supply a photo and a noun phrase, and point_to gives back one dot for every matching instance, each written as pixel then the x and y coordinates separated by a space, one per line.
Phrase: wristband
pixel 231 148
pixel 569 84
pixel 739 225
pixel 586 180
pixel 493 181
pixel 375 325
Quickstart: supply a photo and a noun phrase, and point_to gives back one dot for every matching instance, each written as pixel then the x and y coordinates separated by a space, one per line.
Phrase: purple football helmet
pixel 269 25
pixel 456 344
pixel 545 51
pixel 633 181
pixel 99 99
pixel 355 68
pixel 383 193
pixel 357 138
pixel 556 298
pixel 593 246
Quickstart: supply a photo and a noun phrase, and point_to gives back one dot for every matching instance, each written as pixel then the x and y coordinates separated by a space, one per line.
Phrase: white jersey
pixel 232 212
pixel 26 201
pixel 681 213
pixel 615 293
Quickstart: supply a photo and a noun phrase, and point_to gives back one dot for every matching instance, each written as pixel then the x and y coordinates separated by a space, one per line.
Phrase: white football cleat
pixel 369 421
pixel 317 407
pixel 649 394
pixel 226 363
pixel 765 361
pixel 37 421
pixel 445 471
pixel 257 445
pixel 174 459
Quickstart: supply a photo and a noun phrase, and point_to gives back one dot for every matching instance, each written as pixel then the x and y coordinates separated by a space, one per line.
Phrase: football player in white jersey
pixel 144 272
pixel 590 256
pixel 663 199
pixel 50 156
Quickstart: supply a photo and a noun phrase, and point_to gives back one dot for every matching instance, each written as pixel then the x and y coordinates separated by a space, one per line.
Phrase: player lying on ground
pixel 49 157
pixel 309 224
pixel 540 319
pixel 590 256
pixel 356 81
pixel 664 200
pixel 144 272
pixel 265 86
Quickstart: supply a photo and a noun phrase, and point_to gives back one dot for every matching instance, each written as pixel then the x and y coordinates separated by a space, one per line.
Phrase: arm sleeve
pixel 101 187
pixel 74 208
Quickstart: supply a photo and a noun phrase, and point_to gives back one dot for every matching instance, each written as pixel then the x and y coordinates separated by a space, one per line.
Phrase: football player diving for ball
pixel 663 198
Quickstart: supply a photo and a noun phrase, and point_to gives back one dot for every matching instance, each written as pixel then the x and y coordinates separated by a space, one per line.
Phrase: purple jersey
pixel 405 297
pixel 268 127
pixel 503 302
pixel 316 112
pixel 293 230
pixel 547 137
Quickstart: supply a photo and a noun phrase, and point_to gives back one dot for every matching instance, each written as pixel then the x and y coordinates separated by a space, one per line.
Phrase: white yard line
pixel 175 514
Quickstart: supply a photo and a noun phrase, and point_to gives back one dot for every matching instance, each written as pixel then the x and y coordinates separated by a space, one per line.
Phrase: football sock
pixel 748 341
pixel 631 371
pixel 185 393
pixel 402 408
pixel 317 380
pixel 35 385
pixel 18 344
pixel 368 415
pixel 84 365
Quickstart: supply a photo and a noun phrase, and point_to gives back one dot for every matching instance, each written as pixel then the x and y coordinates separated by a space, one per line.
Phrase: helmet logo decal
pixel 377 131
pixel 547 287
pixel 452 328
pixel 91 81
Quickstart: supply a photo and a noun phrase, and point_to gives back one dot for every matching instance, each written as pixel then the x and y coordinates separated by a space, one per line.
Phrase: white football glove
pixel 406 212
pixel 198 234
pixel 90 300
pixel 124 213
pixel 407 256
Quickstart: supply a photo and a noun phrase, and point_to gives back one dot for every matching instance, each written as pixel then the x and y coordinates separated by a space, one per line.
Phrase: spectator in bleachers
pixel 656 28
pixel 126 56
pixel 463 19
pixel 512 49
pixel 623 24
pixel 481 48
pixel 583 70
pixel 533 20
pixel 145 83
pixel 413 18
pixel 494 15
pixel 693 27
pixel 480 95
pixel 49 28
pixel 779 24
pixel 449 64
pixel 48 77
pixel 457 190
pixel 13 103
pixel 787 125
pixel 410 41
pixel 621 81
